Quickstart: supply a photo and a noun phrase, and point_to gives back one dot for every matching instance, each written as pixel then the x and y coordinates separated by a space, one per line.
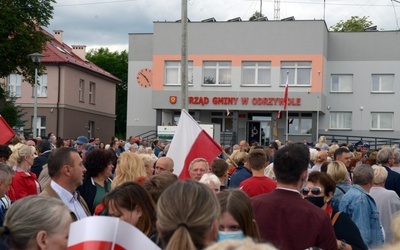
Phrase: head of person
pixel 363 175
pixel 380 175
pixel 148 161
pixel 291 163
pixel 187 216
pixel 385 156
pixel 240 157
pixel 356 159
pixel 131 203
pixel 5 153
pixel 197 168
pixel 156 184
pixel 129 168
pixel 344 155
pixel 99 163
pixel 43 146
pixel 220 167
pixel 23 156
pixel 396 156
pixel 321 157
pixel 236 215
pixel 258 159
pixel 164 164
pixel 243 145
pixel 80 141
pixel 66 168
pixel 211 181
pixel 6 174
pixel 332 149
pixel 96 141
pixel 319 189
pixel 337 171
pixel 133 148
pixel 37 222
pixel 246 243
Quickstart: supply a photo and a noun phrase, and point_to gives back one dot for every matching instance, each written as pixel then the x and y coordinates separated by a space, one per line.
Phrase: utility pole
pixel 260 8
pixel 184 59
pixel 277 9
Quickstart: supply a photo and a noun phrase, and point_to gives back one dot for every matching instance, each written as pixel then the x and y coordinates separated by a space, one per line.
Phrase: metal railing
pixel 374 142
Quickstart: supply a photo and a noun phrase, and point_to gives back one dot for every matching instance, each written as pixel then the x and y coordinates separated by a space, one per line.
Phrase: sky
pixel 107 23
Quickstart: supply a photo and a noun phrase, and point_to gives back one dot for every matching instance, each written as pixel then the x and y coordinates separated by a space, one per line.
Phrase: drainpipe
pixel 58 99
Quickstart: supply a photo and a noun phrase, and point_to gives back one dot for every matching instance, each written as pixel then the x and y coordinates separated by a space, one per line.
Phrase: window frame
pixel 379 121
pixel 380 91
pixel 257 68
pixel 217 67
pixel 18 83
pixel 178 68
pixel 338 121
pixel 294 78
pixel 300 117
pixel 41 85
pixel 92 93
pixel 81 90
pixel 339 88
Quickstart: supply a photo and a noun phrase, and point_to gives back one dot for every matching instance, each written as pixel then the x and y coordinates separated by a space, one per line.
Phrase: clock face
pixel 145 78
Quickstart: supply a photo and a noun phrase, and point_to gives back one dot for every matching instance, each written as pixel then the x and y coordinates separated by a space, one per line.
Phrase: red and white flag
pixel 190 142
pixel 6 133
pixel 285 98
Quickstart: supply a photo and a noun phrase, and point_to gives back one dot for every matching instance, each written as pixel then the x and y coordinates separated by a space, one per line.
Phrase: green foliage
pixel 355 23
pixel 20 35
pixel 11 112
pixel 255 16
pixel 117 64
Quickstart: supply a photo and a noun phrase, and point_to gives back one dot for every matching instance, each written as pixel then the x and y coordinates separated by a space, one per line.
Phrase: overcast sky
pixel 107 23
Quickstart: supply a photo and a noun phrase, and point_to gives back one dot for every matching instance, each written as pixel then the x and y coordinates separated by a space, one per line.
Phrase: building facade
pixel 75 97
pixel 340 83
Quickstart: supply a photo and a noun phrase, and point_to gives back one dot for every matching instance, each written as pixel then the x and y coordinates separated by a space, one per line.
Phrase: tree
pixel 21 35
pixel 255 16
pixel 11 112
pixel 117 64
pixel 355 23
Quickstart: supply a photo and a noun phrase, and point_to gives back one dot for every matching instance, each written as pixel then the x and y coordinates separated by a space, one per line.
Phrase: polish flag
pixel 6 131
pixel 285 98
pixel 107 233
pixel 190 142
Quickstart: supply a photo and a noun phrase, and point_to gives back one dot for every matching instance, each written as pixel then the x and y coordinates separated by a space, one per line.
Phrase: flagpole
pixel 286 106
pixel 184 59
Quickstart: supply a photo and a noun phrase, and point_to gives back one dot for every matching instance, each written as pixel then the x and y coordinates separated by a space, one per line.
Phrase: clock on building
pixel 144 78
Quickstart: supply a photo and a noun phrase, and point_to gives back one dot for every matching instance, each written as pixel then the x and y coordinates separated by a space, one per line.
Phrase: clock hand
pixel 145 77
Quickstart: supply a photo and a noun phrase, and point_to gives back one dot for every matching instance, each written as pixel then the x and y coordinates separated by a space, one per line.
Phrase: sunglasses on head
pixel 315 191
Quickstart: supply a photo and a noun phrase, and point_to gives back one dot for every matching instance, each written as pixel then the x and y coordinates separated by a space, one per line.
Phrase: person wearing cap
pixel 79 143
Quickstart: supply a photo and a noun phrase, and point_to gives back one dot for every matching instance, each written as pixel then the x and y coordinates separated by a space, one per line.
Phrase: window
pixel 382 121
pixel 340 120
pixel 92 93
pixel 256 73
pixel 14 85
pixel 173 72
pixel 300 123
pixel 81 90
pixel 341 83
pixel 224 120
pixel 42 86
pixel 217 73
pixel 40 125
pixel 91 129
pixel 382 83
pixel 299 73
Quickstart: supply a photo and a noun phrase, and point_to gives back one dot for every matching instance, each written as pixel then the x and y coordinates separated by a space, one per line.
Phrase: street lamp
pixel 36 58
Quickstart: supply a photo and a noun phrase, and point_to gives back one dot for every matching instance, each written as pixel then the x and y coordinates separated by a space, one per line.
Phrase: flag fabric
pixel 190 142
pixel 227 112
pixel 285 98
pixel 107 233
pixel 6 133
pixel 279 115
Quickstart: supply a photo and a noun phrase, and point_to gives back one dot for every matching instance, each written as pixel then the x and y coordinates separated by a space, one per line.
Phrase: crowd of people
pixel 292 196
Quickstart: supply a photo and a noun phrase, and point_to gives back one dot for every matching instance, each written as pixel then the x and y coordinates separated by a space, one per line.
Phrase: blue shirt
pixel 242 173
pixel 363 211
pixel 341 189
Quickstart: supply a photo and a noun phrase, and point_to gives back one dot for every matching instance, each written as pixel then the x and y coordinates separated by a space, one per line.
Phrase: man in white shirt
pixel 66 170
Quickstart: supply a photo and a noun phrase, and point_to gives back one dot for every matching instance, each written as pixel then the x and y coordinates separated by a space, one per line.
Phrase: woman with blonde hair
pixel 24 182
pixel 187 216
pixel 148 161
pixel 37 222
pixel 129 168
pixel 338 171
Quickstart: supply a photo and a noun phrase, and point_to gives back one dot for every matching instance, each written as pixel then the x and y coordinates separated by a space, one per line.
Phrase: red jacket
pixel 22 185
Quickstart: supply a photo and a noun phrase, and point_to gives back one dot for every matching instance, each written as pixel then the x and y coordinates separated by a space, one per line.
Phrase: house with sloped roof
pixel 74 96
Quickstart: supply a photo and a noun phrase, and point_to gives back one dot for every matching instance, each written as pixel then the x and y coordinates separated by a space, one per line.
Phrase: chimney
pixel 58 35
pixel 79 50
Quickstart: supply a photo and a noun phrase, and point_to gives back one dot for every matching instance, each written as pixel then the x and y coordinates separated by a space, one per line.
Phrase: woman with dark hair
pixel 319 190
pixel 131 203
pixel 237 218
pixel 97 182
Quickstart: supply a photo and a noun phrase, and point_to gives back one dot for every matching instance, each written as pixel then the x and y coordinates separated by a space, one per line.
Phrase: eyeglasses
pixel 315 191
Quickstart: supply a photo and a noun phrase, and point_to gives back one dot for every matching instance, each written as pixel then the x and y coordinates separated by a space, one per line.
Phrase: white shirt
pixel 71 200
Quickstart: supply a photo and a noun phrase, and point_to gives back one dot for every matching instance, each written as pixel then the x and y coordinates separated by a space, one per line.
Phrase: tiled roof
pixel 56 51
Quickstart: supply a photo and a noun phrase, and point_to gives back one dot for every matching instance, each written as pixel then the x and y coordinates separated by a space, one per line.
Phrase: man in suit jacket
pixel 284 218
pixel 66 170
pixel 44 148
pixel 385 157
